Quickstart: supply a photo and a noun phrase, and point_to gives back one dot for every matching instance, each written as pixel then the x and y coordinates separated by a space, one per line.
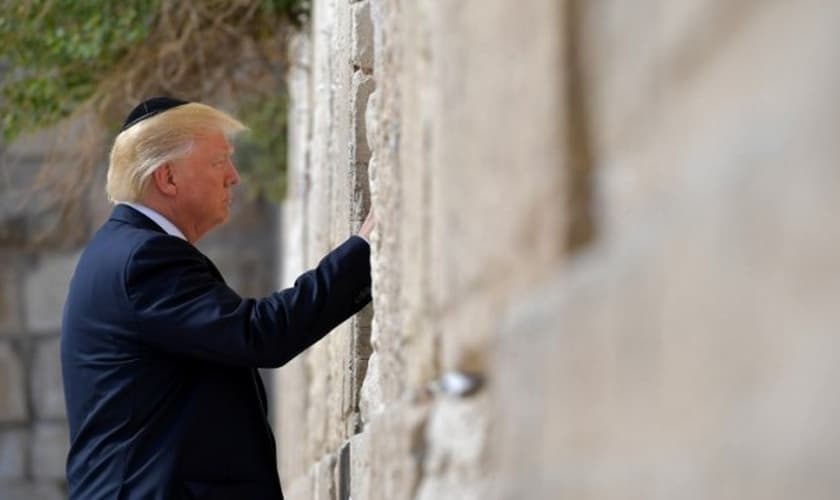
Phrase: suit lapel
pixel 124 213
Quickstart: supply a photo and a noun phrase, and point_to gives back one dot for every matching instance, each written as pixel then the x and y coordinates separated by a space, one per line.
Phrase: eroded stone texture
pixel 325 479
pixel 621 216
pixel 10 308
pixel 672 359
pixel 50 443
pixel 45 291
pixel 457 438
pixel 12 386
pixel 387 460
pixel 13 454
pixel 361 38
pixel 29 491
pixel 47 390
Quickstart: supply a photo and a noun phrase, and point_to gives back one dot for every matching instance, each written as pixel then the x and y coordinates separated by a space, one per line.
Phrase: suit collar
pixel 124 213
pixel 158 218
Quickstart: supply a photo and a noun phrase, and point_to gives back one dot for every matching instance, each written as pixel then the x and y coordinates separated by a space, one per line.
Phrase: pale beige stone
pixel 302 487
pixel 28 491
pixel 50 444
pixel 12 389
pixel 686 348
pixel 46 290
pixel 10 308
pixel 13 454
pixel 361 39
pixel 362 474
pixel 362 86
pixel 47 389
pixel 325 487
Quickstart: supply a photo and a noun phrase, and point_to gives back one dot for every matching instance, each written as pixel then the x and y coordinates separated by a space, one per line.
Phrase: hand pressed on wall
pixel 368 225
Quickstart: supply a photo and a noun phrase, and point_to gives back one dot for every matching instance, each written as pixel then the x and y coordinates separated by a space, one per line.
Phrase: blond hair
pixel 145 146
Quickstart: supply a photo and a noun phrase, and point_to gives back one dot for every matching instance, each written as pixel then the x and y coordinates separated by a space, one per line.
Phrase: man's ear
pixel 164 180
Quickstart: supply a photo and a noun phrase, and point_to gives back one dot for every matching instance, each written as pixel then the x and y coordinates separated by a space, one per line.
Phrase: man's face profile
pixel 205 178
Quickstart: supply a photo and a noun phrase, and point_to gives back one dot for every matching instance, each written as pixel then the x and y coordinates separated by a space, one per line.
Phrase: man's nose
pixel 233 176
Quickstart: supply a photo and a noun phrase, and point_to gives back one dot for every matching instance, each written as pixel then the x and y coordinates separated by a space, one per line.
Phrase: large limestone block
pixel 386 460
pixel 360 469
pixel 498 183
pixel 361 38
pixel 325 486
pixel 457 438
pixel 12 454
pixel 302 487
pixel 319 388
pixel 47 389
pixel 29 491
pixel 383 171
pixel 10 306
pixel 50 444
pixel 46 290
pixel 340 405
pixel 12 389
pixel 341 135
pixel 362 86
pixel 318 208
pixel 690 353
pixel 290 397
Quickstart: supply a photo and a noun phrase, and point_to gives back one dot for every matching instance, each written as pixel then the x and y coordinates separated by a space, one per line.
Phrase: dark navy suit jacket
pixel 159 357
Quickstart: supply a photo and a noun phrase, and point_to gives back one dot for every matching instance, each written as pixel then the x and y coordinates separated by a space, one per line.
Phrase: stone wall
pixel 605 266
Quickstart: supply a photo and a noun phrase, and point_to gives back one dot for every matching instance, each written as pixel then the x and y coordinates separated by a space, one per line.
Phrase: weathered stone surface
pixel 50 443
pixel 47 389
pixel 45 292
pixel 684 346
pixel 457 438
pixel 361 472
pixel 12 389
pixel 397 449
pixel 35 211
pixel 361 39
pixel 12 454
pixel 301 487
pixel 290 399
pixel 29 491
pixel 325 487
pixel 691 332
pixel 362 86
pixel 10 308
pixel 291 382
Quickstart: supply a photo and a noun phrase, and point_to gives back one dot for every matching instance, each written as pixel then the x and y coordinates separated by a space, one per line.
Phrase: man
pixel 159 356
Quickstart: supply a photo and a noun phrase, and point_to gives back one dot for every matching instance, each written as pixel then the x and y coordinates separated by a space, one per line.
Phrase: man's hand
pixel 367 226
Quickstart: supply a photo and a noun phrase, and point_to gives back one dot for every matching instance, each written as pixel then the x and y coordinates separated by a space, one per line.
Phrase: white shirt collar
pixel 159 219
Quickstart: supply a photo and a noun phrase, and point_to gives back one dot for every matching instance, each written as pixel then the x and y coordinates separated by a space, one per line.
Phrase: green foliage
pixel 57 53
pixel 295 10
pixel 57 56
pixel 261 151
pixel 58 50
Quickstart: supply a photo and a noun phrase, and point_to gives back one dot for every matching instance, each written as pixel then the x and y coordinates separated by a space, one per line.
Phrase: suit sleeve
pixel 180 307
